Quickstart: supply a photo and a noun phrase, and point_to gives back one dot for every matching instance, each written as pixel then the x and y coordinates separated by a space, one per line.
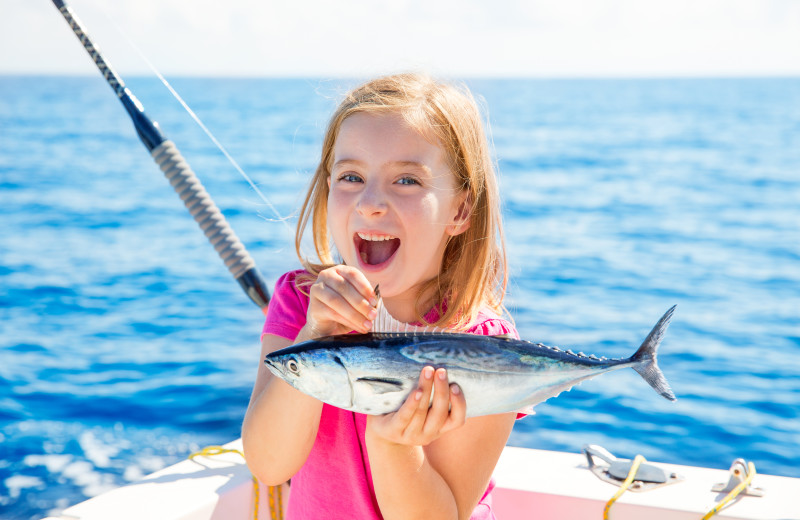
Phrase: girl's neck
pixel 403 308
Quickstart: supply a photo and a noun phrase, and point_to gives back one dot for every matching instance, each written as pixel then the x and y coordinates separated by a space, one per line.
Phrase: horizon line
pixel 344 77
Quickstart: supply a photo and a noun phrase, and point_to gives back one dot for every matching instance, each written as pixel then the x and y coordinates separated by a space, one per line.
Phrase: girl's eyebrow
pixel 411 164
pixel 393 164
pixel 347 162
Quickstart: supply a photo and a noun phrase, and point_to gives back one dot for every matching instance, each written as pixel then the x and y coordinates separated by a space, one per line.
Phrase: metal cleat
pixel 648 476
pixel 738 474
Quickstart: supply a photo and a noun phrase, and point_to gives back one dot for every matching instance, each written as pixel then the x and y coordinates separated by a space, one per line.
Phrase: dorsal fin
pixel 386 323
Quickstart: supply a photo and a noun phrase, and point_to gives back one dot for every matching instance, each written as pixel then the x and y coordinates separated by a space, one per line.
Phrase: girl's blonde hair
pixel 473 271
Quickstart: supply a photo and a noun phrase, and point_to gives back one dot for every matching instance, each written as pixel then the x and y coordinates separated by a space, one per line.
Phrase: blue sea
pixel 125 344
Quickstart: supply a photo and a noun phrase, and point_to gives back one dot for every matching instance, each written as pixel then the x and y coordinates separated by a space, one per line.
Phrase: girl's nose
pixel 372 201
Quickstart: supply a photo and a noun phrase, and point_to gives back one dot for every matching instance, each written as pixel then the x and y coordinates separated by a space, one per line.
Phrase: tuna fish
pixel 373 373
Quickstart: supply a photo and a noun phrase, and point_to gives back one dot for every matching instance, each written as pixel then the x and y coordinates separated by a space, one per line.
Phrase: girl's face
pixel 392 204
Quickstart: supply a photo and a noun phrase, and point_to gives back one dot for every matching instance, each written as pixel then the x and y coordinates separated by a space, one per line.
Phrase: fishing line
pixel 199 122
pixel 179 174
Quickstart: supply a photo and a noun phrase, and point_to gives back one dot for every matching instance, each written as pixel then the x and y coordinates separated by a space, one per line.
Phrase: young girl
pixel 406 192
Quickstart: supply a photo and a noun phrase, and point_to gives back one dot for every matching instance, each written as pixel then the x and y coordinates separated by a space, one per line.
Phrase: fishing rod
pixel 180 175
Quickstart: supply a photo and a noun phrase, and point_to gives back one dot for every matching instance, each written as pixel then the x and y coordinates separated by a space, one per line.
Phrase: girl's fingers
pixel 422 399
pixel 458 409
pixel 346 299
pixel 352 285
pixel 440 407
pixel 397 425
pixel 334 308
pixel 326 321
pixel 420 419
pixel 363 290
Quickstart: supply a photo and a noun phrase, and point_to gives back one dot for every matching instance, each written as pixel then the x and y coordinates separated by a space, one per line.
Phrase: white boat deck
pixel 531 484
pixel 552 485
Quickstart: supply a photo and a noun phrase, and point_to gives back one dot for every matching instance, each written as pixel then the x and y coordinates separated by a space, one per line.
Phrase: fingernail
pixel 442 374
pixel 455 389
pixel 372 314
pixel 367 325
pixel 373 302
pixel 418 395
pixel 428 372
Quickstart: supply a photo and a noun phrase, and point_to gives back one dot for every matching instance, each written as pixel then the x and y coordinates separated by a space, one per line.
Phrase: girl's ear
pixel 461 220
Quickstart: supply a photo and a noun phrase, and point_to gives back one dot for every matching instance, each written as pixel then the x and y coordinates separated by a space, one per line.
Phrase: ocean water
pixel 125 344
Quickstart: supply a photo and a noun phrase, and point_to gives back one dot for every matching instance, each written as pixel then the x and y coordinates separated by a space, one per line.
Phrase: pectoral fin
pixel 381 385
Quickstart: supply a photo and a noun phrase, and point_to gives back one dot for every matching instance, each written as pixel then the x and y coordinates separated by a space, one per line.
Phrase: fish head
pixel 318 373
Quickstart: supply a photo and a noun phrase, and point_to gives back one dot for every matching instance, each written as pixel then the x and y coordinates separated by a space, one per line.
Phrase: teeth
pixel 374 238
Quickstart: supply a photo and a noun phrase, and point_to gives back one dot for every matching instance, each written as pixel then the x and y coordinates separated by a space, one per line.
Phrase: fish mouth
pixel 375 250
pixel 273 366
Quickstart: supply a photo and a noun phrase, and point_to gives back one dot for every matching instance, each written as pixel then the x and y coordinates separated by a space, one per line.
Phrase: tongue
pixel 377 252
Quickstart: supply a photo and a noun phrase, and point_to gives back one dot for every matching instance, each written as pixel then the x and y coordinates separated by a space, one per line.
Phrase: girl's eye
pixel 349 177
pixel 408 181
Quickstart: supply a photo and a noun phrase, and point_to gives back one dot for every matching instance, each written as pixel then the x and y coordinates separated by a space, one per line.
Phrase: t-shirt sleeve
pixel 488 325
pixel 286 314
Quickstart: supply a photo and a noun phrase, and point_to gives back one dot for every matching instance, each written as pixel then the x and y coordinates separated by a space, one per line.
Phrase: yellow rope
pixel 275 498
pixel 751 473
pixel 625 485
pixel 275 506
pixel 210 451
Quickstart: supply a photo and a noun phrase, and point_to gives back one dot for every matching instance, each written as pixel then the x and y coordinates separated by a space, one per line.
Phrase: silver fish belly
pixel 374 373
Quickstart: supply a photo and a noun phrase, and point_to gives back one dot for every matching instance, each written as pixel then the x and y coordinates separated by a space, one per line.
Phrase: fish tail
pixel 645 358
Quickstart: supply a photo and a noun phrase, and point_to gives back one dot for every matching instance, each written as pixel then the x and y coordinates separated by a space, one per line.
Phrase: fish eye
pixel 293 366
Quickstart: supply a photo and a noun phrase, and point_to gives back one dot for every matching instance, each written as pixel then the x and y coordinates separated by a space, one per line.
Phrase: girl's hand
pixel 341 300
pixel 418 424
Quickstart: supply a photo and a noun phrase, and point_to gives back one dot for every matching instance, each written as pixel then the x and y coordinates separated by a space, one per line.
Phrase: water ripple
pixel 125 345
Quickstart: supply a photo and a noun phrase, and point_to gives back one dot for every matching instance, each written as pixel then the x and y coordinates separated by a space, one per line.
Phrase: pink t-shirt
pixel 336 482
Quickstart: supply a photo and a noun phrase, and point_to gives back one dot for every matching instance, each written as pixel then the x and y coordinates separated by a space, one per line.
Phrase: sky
pixel 464 38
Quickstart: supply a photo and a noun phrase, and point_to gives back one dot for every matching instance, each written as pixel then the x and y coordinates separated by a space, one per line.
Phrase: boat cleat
pixel 615 471
pixel 738 474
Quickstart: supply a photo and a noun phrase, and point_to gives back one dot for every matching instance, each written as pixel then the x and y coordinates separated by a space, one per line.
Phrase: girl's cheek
pixel 339 199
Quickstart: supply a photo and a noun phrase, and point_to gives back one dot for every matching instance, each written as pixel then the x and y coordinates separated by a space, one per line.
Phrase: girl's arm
pixel 430 462
pixel 281 423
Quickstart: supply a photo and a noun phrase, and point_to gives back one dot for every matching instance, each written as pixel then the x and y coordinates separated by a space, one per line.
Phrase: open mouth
pixel 375 249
